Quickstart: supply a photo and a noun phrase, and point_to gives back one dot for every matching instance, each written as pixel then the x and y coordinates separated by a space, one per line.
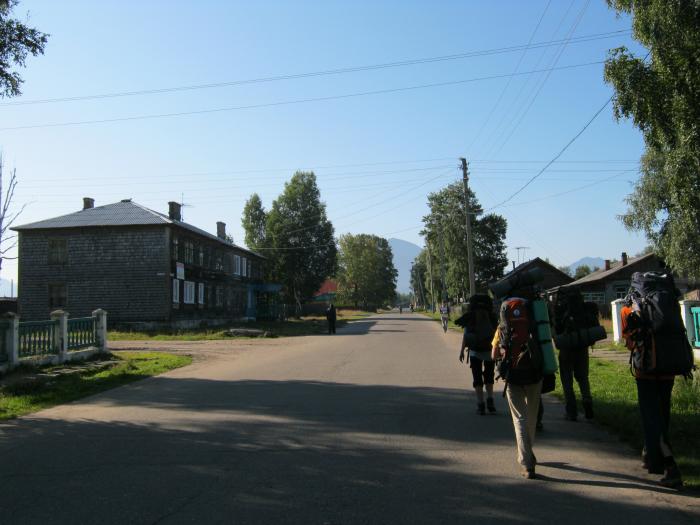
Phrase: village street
pixel 373 425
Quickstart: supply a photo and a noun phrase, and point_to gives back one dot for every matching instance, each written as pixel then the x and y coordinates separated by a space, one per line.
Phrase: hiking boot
pixel 528 473
pixel 481 408
pixel 672 479
pixel 490 405
pixel 570 416
pixel 588 410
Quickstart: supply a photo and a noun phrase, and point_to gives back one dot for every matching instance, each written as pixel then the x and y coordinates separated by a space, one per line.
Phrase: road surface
pixel 376 424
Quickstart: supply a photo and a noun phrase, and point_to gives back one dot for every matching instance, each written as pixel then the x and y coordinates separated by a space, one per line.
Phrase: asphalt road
pixel 373 425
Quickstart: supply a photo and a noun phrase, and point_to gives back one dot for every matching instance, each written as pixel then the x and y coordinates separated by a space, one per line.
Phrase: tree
pixel 17 40
pixel 566 270
pixel 445 235
pixel 366 272
pixel 299 239
pixel 582 271
pixel 662 97
pixel 7 217
pixel 254 222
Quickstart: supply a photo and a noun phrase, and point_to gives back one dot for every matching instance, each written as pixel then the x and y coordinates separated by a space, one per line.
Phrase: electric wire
pixel 291 102
pixel 337 71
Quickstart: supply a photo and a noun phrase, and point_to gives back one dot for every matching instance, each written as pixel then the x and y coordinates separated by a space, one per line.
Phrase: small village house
pixel 143 267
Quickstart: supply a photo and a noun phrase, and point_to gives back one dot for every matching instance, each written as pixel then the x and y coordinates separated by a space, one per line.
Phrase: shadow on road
pixel 286 452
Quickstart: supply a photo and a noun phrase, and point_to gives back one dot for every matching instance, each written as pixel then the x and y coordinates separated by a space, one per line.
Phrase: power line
pixel 338 71
pixel 294 101
pixel 505 88
pixel 561 152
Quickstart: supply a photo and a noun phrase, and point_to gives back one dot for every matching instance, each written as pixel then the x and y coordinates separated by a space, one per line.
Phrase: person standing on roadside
pixel 331 317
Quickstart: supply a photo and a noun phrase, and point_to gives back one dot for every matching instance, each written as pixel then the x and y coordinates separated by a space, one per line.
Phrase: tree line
pixel 298 241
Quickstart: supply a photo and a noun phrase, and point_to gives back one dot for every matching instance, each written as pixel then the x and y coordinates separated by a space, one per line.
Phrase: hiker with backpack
pixel 479 322
pixel 659 351
pixel 522 346
pixel 576 328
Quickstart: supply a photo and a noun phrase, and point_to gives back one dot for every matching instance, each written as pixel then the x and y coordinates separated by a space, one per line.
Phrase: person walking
pixel 444 316
pixel 479 323
pixel 331 318
pixel 573 364
pixel 512 346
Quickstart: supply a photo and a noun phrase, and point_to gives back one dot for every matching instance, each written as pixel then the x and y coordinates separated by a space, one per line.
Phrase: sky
pixel 379 99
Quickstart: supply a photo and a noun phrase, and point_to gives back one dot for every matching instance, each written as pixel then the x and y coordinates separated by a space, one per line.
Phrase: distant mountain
pixel 591 262
pixel 404 254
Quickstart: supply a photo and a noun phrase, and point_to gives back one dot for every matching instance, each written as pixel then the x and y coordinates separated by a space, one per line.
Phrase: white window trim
pixel 244 266
pixel 201 293
pixel 176 291
pixel 189 292
pixel 236 265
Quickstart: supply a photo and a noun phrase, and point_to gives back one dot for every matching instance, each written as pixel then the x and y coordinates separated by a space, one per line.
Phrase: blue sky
pixel 376 156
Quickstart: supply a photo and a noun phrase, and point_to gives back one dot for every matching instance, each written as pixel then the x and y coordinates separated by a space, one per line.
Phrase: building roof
pixel 123 213
pixel 601 275
pixel 328 287
pixel 537 261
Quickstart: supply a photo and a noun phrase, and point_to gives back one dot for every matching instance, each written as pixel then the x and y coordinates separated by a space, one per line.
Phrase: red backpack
pixel 522 363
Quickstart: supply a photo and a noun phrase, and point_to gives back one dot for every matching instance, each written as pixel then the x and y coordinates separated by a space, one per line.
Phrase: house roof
pixel 123 213
pixel 532 262
pixel 600 275
pixel 329 286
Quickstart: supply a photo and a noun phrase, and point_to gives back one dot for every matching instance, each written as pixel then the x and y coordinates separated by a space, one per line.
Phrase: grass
pixel 307 325
pixel 615 404
pixel 19 397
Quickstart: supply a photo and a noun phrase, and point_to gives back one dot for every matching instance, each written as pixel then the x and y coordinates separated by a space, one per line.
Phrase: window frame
pixel 53 286
pixel 200 294
pixel 57 255
pixel 176 291
pixel 188 292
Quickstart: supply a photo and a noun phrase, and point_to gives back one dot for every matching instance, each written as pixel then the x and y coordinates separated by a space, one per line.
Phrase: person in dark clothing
pixel 331 317
pixel 573 364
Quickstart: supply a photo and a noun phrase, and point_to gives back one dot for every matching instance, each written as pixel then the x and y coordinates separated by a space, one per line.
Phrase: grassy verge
pixel 23 397
pixel 308 325
pixel 615 403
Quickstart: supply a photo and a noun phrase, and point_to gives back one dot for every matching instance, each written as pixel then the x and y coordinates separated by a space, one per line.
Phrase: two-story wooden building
pixel 145 268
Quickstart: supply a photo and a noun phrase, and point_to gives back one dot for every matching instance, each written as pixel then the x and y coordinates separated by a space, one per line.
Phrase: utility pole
pixel 442 268
pixel 470 240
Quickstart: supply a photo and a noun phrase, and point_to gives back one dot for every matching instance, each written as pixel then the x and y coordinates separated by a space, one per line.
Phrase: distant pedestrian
pixel 400 309
pixel 331 317
pixel 444 316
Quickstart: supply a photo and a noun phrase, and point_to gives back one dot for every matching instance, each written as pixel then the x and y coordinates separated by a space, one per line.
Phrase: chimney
pixel 221 230
pixel 607 264
pixel 623 258
pixel 88 203
pixel 174 211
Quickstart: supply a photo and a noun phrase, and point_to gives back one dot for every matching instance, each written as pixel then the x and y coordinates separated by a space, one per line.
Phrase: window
pixel 201 293
pixel 201 256
pixel 250 268
pixel 189 292
pixel 218 261
pixel 219 296
pixel 621 292
pixel 176 291
pixel 244 266
pixel 236 265
pixel 594 297
pixel 189 252
pixel 57 251
pixel 57 295
pixel 175 248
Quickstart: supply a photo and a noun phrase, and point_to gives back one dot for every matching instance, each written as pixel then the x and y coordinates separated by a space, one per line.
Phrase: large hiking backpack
pixel 479 323
pixel 653 328
pixel 575 321
pixel 523 362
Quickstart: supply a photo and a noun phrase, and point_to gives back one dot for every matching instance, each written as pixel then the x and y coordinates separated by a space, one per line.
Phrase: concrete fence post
pixel 616 311
pixel 101 328
pixel 12 339
pixel 61 335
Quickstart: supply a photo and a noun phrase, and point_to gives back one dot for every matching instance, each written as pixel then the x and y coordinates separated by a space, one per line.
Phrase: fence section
pixel 695 310
pixel 82 333
pixel 38 338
